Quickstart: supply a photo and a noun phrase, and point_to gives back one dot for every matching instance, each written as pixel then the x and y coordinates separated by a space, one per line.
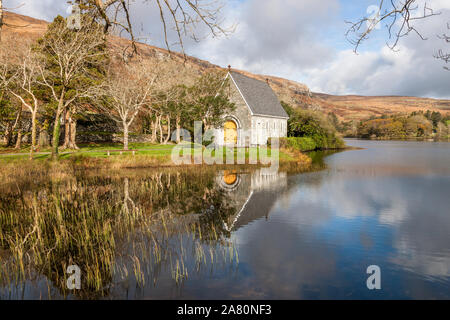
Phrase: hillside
pixel 360 107
pixel 294 93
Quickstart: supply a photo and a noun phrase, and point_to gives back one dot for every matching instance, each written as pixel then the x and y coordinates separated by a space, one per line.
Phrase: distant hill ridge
pixel 297 94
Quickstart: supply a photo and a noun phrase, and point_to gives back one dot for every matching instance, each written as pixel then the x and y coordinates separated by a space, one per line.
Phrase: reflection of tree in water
pixel 120 228
pixel 111 226
pixel 127 201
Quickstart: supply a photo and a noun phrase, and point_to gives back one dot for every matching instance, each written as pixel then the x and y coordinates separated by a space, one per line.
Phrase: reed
pixel 115 227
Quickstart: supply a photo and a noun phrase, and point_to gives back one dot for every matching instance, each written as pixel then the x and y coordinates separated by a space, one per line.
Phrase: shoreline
pixel 399 139
pixel 12 168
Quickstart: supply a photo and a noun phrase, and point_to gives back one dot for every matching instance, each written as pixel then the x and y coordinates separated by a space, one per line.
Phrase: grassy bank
pixel 98 149
pixel 14 163
pixel 305 144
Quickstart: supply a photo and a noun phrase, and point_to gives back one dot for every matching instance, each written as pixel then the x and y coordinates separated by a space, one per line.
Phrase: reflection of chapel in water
pixel 252 194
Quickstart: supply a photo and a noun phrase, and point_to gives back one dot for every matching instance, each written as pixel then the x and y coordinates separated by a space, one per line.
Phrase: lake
pixel 238 234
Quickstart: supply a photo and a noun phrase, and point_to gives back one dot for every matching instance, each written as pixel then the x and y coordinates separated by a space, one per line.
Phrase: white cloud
pixel 290 40
pixel 274 38
pixel 411 71
pixel 304 41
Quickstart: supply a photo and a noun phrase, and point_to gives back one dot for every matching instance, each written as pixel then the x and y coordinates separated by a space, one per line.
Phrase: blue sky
pixel 304 40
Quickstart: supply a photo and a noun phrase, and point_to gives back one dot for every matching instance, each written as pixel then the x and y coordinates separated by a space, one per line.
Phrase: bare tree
pixel 8 71
pixel 168 107
pixel 398 16
pixel 181 108
pixel 186 15
pixel 69 55
pixel 444 56
pixel 183 16
pixel 128 89
pixel 23 87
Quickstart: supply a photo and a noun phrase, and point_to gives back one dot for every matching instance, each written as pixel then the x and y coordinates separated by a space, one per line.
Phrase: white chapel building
pixel 258 115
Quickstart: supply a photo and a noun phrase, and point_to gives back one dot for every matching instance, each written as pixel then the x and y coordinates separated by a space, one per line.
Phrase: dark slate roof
pixel 258 206
pixel 259 96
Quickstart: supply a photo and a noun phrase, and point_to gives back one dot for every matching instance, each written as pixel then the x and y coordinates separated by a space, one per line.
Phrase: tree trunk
pixel 73 134
pixel 19 133
pixel 178 120
pixel 70 131
pixel 125 136
pixel 161 133
pixel 57 126
pixel 56 132
pixel 168 130
pixel 154 129
pixel 1 19
pixel 33 133
pixel 8 134
pixel 66 129
pixel 205 125
pixel 19 140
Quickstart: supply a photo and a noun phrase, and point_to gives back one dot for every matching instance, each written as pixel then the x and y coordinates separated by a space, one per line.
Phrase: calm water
pixel 264 235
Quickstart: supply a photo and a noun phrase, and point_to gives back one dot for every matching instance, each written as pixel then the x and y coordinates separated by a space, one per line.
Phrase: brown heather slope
pixel 31 28
pixel 354 107
pixel 294 93
pixel 23 26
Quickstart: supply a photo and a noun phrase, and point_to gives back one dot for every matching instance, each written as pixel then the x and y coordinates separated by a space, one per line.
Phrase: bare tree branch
pixel 183 16
pixel 444 56
pixel 127 91
pixel 398 17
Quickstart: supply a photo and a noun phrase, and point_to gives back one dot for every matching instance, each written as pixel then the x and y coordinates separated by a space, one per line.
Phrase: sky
pixel 304 40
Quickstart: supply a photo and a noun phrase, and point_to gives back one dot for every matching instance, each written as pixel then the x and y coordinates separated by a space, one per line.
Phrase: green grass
pixel 92 147
pixel 305 144
pixel 157 153
pixel 90 150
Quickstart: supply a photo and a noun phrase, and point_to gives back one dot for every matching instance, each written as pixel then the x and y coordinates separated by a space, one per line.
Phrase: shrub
pixel 311 130
pixel 311 143
pixel 302 143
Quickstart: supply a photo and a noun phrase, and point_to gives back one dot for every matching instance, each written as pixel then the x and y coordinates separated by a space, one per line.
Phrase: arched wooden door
pixel 230 133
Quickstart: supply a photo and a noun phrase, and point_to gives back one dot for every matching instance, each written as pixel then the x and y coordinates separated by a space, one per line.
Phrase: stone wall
pixel 132 138
pixel 241 115
pixel 87 137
